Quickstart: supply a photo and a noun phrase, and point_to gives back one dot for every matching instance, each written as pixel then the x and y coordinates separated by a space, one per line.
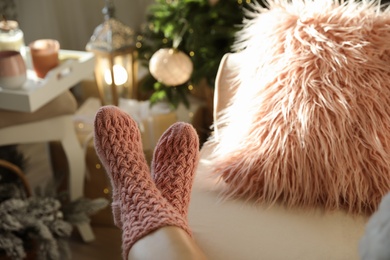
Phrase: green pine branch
pixel 206 33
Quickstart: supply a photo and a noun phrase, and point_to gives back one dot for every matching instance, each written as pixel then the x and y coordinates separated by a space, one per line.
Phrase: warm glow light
pixel 120 75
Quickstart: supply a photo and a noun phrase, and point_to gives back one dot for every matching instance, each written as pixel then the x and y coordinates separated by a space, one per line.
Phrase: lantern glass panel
pixel 123 68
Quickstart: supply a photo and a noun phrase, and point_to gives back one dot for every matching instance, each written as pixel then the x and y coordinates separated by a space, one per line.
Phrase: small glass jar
pixel 11 37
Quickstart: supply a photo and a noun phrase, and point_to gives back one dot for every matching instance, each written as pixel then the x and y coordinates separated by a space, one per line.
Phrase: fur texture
pixel 310 123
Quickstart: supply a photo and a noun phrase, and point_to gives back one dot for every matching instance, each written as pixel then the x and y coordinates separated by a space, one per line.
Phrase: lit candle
pixel 120 75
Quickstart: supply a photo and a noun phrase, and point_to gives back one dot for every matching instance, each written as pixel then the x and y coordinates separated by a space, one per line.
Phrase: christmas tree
pixel 202 29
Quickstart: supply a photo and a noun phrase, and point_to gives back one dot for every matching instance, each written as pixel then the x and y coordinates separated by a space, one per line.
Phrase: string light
pixel 190 87
pixel 192 53
pixel 165 40
pixel 98 166
pixel 106 191
pixel 138 45
pixel 246 1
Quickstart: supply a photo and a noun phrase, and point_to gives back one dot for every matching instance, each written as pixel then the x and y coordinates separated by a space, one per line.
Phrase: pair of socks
pixel 145 201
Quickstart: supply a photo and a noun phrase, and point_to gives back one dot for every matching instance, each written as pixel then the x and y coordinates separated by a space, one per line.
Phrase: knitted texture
pixel 174 163
pixel 142 207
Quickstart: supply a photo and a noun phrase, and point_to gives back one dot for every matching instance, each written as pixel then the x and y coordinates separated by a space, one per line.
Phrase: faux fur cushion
pixel 309 125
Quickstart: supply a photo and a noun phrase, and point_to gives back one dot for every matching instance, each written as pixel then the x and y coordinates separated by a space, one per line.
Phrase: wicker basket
pixel 19 173
pixel 31 253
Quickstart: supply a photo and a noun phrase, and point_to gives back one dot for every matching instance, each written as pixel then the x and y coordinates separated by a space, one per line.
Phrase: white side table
pixel 75 66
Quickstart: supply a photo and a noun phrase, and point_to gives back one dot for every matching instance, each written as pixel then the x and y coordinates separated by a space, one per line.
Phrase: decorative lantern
pixel 116 67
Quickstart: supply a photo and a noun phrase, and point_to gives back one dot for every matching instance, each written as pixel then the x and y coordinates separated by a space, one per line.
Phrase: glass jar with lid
pixel 11 37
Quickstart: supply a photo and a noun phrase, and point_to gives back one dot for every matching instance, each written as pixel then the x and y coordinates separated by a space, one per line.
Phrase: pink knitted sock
pixel 174 163
pixel 142 207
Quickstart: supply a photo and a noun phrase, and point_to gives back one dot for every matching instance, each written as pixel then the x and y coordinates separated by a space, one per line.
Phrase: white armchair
pixel 236 229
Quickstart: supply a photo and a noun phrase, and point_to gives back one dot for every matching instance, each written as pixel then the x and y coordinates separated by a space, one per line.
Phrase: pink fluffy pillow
pixel 309 125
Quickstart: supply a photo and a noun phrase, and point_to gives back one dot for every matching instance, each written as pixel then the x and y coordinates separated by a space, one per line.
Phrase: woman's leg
pixel 166 243
pixel 139 207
